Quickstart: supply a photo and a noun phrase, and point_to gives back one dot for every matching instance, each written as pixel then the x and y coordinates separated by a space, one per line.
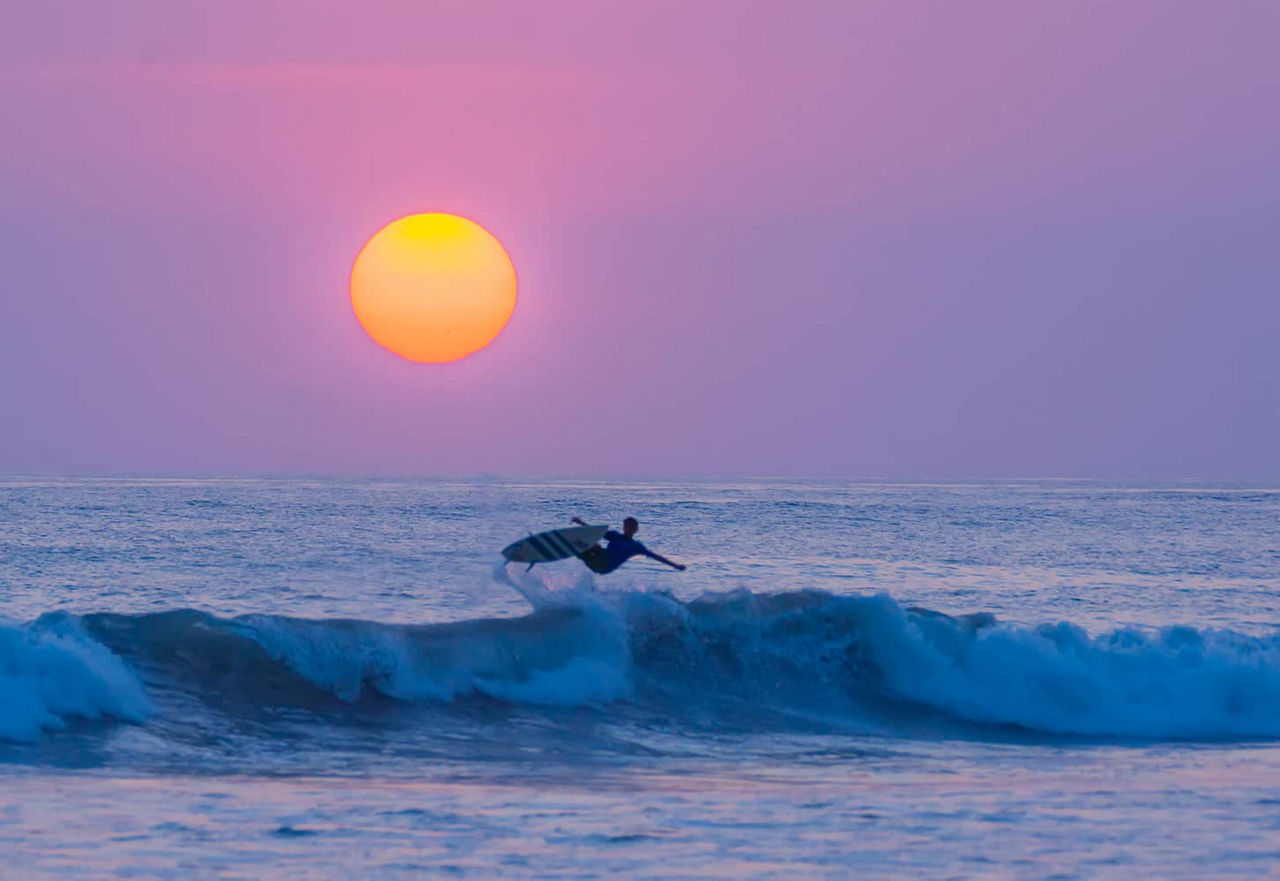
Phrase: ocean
pixel 335 678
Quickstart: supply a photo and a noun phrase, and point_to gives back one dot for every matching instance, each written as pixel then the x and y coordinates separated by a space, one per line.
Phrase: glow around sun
pixel 433 287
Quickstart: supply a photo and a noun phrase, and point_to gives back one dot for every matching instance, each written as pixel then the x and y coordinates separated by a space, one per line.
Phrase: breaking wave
pixel 867 661
pixel 51 672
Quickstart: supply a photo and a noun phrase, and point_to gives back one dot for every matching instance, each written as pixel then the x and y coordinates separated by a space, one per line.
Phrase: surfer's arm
pixel 577 520
pixel 662 559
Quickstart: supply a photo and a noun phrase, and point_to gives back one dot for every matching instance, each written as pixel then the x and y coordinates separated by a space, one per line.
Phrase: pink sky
pixel 903 239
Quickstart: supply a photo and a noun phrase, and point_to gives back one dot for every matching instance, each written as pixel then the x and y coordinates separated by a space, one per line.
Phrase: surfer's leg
pixel 596 559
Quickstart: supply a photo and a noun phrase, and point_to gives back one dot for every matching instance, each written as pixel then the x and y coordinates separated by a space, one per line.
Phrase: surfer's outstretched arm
pixel 662 559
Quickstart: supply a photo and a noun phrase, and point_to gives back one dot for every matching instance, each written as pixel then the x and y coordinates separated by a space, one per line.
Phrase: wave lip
pixel 51 671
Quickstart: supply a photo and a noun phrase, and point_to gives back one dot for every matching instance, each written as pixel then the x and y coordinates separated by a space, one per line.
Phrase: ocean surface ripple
pixel 316 678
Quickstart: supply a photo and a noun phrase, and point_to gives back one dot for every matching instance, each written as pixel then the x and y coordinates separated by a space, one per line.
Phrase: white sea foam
pixel 50 672
pixel 564 657
pixel 1172 682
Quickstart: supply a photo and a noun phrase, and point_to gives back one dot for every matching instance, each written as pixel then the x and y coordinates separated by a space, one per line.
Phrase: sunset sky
pixel 905 239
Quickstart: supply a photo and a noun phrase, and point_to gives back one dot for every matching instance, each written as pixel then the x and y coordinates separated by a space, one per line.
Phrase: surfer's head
pixel 630 526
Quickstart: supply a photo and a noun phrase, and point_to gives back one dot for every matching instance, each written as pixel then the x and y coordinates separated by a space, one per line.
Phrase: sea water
pixel 320 678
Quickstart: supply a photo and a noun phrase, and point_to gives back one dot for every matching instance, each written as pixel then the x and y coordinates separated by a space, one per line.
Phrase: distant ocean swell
pixel 867 661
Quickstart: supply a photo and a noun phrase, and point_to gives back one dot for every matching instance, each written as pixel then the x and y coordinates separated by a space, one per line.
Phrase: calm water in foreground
pixel 332 678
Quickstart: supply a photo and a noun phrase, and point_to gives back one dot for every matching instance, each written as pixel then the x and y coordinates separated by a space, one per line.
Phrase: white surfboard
pixel 554 544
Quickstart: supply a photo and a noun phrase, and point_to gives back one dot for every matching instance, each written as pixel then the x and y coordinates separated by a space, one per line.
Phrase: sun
pixel 433 287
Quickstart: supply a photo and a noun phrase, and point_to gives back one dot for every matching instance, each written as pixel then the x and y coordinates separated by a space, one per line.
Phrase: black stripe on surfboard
pixel 563 543
pixel 546 551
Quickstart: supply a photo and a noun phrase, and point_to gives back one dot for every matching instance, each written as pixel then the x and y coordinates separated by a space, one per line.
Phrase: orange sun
pixel 433 287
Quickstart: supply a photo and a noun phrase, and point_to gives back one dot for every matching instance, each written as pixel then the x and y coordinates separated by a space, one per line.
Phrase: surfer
pixel 619 547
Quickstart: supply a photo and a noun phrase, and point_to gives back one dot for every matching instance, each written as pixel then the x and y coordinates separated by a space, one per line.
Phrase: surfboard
pixel 554 544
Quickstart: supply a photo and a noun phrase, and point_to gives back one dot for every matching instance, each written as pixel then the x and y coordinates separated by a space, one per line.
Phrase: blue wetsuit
pixel 619 549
